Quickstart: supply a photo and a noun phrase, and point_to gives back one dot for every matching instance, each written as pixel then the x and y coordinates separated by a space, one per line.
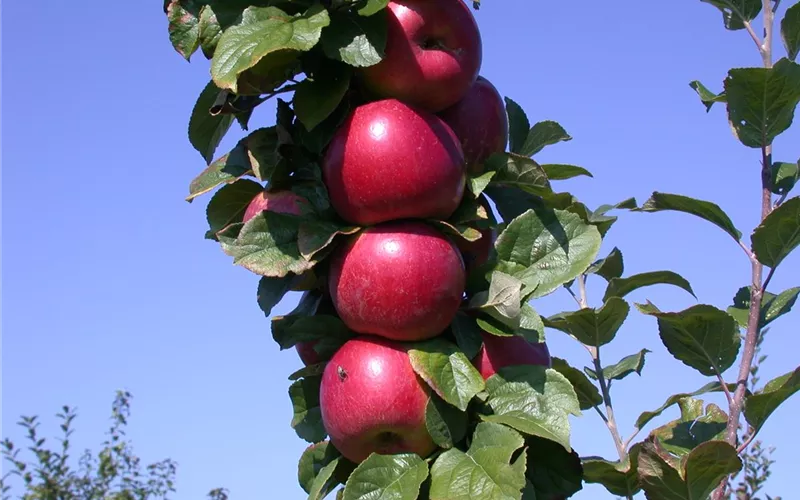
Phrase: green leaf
pixel 298 327
pixel 446 424
pixel 503 297
pixel 528 325
pixel 356 40
pixel 325 481
pixel 559 172
pixel 619 478
pixel 761 101
pixel 534 400
pixel 592 327
pixel 518 171
pixel 266 245
pixel 707 465
pixel 314 458
pixel 706 96
pixel 229 168
pixel 703 209
pixel 485 472
pixel 546 248
pixel 542 134
pixel 702 337
pixel 210 31
pixel 627 365
pixel 449 373
pixel 790 31
pixel 620 287
pixel 264 32
pixel 388 477
pixel 693 428
pixel 553 472
pixel 703 469
pixel 314 370
pixel 588 395
pixel 518 125
pixel 317 235
pixel 372 7
pixel 476 185
pixel 772 306
pixel 184 30
pixel 467 334
pixel 315 99
pixel 271 291
pixel 307 419
pixel 228 205
pixel 784 176
pixel 736 12
pixel 206 130
pixel 778 234
pixel 262 152
pixel 609 268
pixel 647 416
pixel 759 406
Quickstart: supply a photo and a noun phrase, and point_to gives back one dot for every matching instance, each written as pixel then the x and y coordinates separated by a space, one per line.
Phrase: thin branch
pixel 611 422
pixel 577 300
pixel 602 415
pixel 780 200
pixel 725 389
pixel 628 441
pixel 753 35
pixel 746 442
pixel 584 303
pixel 747 251
pixel 769 278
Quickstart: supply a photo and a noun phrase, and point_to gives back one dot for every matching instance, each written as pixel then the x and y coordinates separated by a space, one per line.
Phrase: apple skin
pixel 390 161
pixel 372 400
pixel 402 280
pixel 433 54
pixel 307 354
pixel 480 122
pixel 498 352
pixel 282 202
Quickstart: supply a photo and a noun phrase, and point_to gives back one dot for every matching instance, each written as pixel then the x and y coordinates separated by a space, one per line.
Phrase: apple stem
pixel 757 288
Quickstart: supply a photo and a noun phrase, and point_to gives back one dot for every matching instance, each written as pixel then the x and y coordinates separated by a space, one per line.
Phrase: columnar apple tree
pixel 396 189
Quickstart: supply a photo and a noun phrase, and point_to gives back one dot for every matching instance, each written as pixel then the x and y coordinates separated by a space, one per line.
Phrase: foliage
pixel 548 241
pixel 113 473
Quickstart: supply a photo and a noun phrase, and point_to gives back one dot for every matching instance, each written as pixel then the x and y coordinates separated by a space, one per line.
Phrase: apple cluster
pixel 399 160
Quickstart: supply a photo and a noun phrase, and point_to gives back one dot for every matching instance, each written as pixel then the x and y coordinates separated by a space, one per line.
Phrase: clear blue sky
pixel 108 283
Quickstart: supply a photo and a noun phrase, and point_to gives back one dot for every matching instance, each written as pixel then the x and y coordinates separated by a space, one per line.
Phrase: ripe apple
pixel 372 400
pixel 390 161
pixel 307 353
pixel 433 53
pixel 402 280
pixel 282 202
pixel 480 122
pixel 498 352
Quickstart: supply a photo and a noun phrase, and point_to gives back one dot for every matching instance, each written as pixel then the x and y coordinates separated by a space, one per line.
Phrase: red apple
pixel 372 400
pixel 392 161
pixel 498 352
pixel 283 202
pixel 480 122
pixel 307 353
pixel 402 280
pixel 433 53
